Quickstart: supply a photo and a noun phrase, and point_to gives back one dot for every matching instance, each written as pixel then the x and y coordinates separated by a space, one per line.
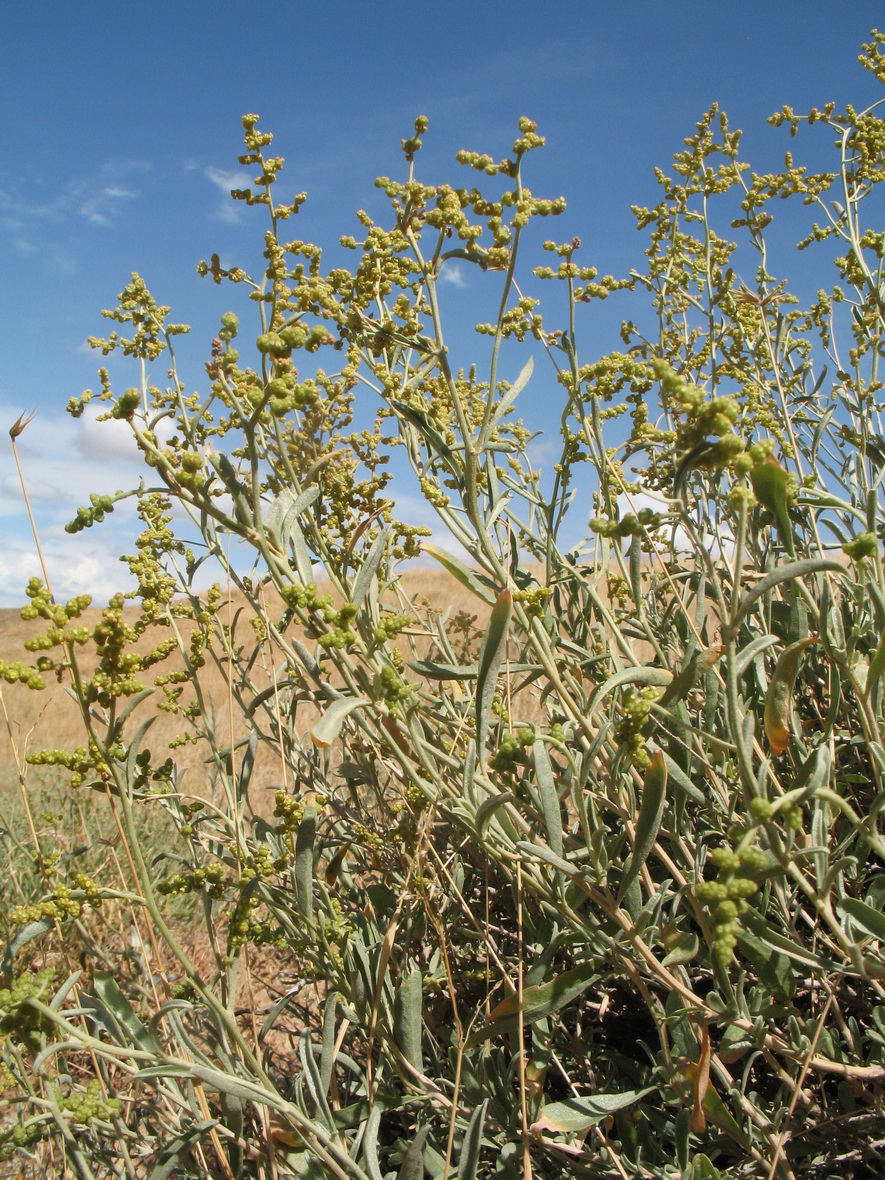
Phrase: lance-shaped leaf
pixel 538 1002
pixel 865 917
pixel 436 444
pixel 575 1115
pixel 284 512
pixel 498 411
pixel 779 698
pixel 490 656
pixel 118 1015
pixel 659 677
pixel 648 822
pixel 712 1106
pixel 784 573
pixel 548 795
pixel 22 937
pixel 412 1167
pixel 430 670
pixel 407 1019
pixel 170 1155
pixel 304 859
pixel 369 567
pixel 472 1142
pixel 460 572
pixel 487 809
pixel 770 482
pixel 329 725
pixel 546 998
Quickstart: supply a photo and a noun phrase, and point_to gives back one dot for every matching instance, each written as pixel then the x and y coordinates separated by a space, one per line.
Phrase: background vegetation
pixel 580 873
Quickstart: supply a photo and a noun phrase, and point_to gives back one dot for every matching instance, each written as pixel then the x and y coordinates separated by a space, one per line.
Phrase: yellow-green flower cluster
pixel 511 751
pixel 534 600
pixel 636 707
pixel 63 903
pixel 210 879
pixel 727 896
pixel 85 1107
pixel 18 1019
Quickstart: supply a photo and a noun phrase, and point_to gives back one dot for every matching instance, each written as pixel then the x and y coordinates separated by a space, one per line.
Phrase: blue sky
pixel 121 130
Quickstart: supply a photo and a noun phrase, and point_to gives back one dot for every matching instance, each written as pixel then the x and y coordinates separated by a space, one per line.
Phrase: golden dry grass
pixel 51 718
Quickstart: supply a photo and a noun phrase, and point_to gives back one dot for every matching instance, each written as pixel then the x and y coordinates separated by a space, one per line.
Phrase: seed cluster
pixel 728 895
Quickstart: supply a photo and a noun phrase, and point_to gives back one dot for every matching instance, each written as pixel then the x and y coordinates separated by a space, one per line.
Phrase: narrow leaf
pixel 433 671
pixel 643 674
pixel 22 937
pixel 436 444
pixel 770 482
pixel 871 921
pixel 773 969
pixel 648 822
pixel 304 857
pixel 407 1019
pixel 327 729
pixel 171 1153
pixel 283 514
pixel 412 1167
pixel 468 1161
pixel 784 573
pixel 544 999
pixel 115 1004
pixel 749 653
pixel 549 857
pixel 300 552
pixel 678 778
pixel 779 698
pixel 701 1083
pixel 509 398
pixel 548 795
pixel 490 656
pixel 460 572
pixel 369 567
pixel 487 809
pixel 314 1079
pixel 575 1115
pixel 687 676
pixel 370 1143
pixel 327 1061
pixel 701 1168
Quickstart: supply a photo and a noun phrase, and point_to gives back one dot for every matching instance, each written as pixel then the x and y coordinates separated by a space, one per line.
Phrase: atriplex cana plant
pixel 597 895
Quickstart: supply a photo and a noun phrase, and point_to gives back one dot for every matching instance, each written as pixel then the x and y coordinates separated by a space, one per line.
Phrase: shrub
pixel 597 893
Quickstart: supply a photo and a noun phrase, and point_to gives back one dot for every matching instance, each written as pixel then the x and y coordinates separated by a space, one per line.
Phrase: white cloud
pixel 95 197
pixel 225 180
pixel 100 206
pixel 64 460
pixel 84 563
pixel 108 441
pixel 453 273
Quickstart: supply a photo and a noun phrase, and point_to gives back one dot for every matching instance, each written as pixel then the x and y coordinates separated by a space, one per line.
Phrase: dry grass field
pixel 79 823
pixel 50 718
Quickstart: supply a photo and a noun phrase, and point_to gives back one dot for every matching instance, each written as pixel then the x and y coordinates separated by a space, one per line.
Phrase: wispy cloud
pixel 35 210
pixel 453 273
pixel 225 180
pixel 99 207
